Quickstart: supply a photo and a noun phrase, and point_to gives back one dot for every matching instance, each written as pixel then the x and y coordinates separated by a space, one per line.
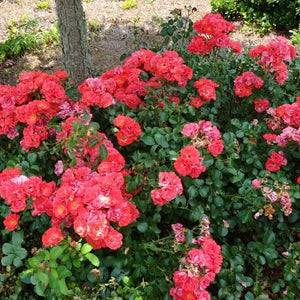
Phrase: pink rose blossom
pixel 190 130
pixel 59 168
pixel 256 183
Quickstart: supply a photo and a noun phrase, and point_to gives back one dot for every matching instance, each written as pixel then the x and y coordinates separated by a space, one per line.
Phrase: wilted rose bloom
pixel 226 224
pixel 59 168
pixel 272 196
pixel 179 231
pixel 256 215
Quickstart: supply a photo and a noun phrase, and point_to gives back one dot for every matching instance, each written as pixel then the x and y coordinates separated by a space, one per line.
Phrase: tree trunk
pixel 73 39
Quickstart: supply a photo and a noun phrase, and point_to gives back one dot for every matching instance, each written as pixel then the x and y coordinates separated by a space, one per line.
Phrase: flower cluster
pixel 89 201
pixel 81 139
pixel 166 66
pixel 170 187
pixel 276 196
pixel 285 121
pixel 275 161
pixel 200 266
pixel 129 131
pixel 206 92
pixel 289 113
pixel 273 56
pixel 288 134
pixel 189 163
pixel 17 189
pixel 205 135
pixel 244 84
pixel 261 105
pixel 125 84
pixel 33 102
pixel 212 32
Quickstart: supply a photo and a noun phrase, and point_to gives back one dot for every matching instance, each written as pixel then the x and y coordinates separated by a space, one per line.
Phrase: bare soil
pixel 112 31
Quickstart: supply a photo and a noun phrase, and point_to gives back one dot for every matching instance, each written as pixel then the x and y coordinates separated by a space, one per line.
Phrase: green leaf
pixel 53 264
pixel 7 248
pixel 228 138
pixel 64 272
pixel 218 201
pixel 26 275
pixel 32 157
pixel 63 287
pixel 232 171
pixel 261 259
pixel 249 296
pixel 21 252
pixel 93 143
pixel 147 140
pixel 270 254
pixel 94 125
pixel 54 274
pixel 76 263
pixel 196 213
pixel 238 177
pixel 204 191
pixel 94 260
pixel 103 152
pixel 219 164
pixel 193 192
pixel 275 287
pixel 245 216
pixel 269 237
pixel 72 157
pixel 86 248
pixel 223 231
pixel 56 252
pixel 17 238
pixel 43 276
pixel 142 227
pixel 236 123
pixel 164 31
pixel 39 289
pixel 7 260
pixel 161 140
pixel 189 236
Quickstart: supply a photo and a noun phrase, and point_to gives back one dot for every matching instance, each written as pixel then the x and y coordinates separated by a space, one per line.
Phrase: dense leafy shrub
pixel 267 14
pixel 174 174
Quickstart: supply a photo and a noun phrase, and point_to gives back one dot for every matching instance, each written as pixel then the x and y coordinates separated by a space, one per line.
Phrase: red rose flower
pixel 11 221
pixel 52 237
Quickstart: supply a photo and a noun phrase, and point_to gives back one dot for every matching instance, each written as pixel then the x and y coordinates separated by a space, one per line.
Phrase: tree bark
pixel 73 39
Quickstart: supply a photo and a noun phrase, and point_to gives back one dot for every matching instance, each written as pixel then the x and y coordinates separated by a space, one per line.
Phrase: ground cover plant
pixel 174 175
pixel 25 35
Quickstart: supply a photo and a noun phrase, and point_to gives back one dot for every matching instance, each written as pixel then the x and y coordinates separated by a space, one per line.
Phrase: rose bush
pixel 175 174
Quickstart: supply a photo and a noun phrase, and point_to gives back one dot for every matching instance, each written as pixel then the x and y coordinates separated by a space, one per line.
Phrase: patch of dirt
pixel 113 31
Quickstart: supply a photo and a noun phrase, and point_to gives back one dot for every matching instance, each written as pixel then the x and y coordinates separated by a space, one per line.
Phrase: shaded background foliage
pixel 254 264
